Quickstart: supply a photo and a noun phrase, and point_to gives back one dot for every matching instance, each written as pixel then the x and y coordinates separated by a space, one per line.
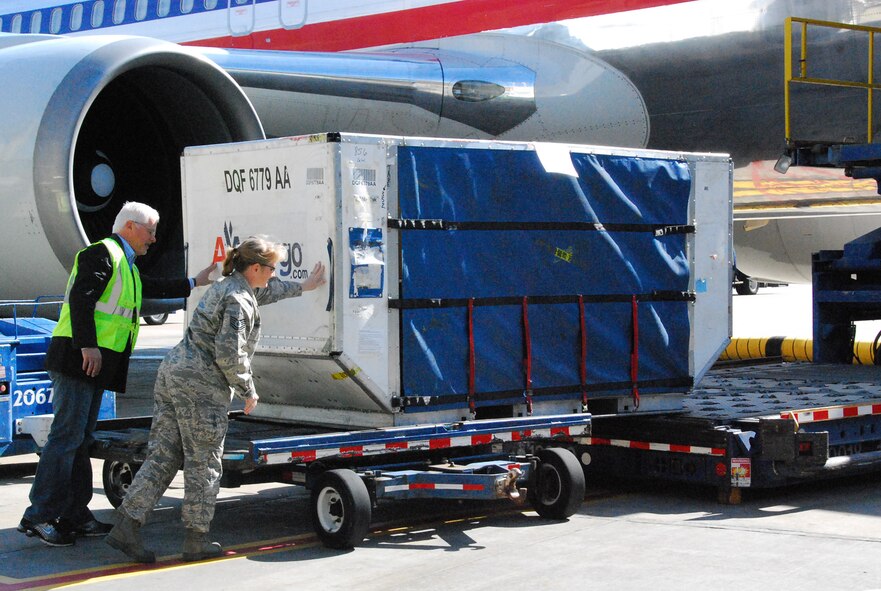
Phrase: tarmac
pixel 625 536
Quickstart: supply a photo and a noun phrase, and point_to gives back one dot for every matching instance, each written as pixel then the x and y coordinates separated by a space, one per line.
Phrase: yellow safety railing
pixel 803 78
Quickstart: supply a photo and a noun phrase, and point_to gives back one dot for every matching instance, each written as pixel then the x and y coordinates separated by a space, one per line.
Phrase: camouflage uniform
pixel 194 388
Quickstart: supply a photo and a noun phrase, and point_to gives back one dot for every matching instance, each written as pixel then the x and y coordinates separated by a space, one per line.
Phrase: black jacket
pixel 95 269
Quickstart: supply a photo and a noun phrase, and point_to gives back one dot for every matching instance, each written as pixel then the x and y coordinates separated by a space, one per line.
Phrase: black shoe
pixel 90 529
pixel 47 532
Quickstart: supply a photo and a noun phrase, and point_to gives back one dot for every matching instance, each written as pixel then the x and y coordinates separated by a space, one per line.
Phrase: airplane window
pixel 118 12
pixel 140 10
pixel 76 17
pixel 241 17
pixel 186 6
pixel 292 13
pixel 97 13
pixel 210 4
pixel 163 8
pixel 36 22
pixel 55 21
pixel 16 24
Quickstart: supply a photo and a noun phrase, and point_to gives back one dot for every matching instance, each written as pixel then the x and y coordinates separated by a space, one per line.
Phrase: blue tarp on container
pixel 512 230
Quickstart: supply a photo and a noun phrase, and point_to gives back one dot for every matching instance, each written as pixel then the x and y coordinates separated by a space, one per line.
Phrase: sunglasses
pixel 151 231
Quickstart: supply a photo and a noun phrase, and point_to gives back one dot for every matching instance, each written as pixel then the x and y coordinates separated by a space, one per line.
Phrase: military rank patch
pixel 237 324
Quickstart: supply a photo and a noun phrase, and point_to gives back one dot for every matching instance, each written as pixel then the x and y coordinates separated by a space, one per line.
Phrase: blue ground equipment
pixel 25 388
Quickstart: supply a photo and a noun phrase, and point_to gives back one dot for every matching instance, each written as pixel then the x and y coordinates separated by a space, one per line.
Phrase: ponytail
pixel 229 263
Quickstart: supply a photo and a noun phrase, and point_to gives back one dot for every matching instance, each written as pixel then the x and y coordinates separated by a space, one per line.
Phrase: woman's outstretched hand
pixel 316 278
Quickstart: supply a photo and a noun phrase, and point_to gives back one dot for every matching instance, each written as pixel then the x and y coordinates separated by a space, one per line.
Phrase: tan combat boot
pixel 126 537
pixel 198 547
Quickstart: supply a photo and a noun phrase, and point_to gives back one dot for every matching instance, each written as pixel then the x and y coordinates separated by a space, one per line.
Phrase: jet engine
pixel 489 85
pixel 89 123
pixel 93 121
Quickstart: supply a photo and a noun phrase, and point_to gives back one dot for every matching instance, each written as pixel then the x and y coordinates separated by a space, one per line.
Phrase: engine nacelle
pixel 508 87
pixel 89 123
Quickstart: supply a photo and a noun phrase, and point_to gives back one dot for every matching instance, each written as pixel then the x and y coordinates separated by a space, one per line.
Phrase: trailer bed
pixel 728 393
pixel 751 426
pixel 350 471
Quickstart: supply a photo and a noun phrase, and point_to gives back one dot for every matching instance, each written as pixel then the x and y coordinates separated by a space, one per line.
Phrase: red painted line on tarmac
pixel 265 547
pixel 56 580
pixel 67 578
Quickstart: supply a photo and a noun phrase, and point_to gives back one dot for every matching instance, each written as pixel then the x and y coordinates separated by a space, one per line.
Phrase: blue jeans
pixel 63 483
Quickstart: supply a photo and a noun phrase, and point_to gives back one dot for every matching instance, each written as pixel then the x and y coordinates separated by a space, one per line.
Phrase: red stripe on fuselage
pixel 426 23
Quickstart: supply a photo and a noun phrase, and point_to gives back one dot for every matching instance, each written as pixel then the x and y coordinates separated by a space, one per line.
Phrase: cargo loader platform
pixel 751 426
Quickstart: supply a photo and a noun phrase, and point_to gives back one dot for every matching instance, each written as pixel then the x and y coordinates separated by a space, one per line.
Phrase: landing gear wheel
pixel 556 488
pixel 117 476
pixel 340 509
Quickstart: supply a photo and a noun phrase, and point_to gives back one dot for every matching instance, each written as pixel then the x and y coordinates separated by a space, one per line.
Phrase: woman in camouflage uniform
pixel 194 388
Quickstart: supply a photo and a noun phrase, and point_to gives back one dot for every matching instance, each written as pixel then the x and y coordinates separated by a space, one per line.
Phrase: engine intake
pixel 96 122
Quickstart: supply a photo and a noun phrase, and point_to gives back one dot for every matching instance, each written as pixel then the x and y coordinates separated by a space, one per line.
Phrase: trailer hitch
pixel 509 485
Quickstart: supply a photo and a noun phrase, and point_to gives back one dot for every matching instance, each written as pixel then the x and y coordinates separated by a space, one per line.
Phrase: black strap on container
pixel 437 224
pixel 428 303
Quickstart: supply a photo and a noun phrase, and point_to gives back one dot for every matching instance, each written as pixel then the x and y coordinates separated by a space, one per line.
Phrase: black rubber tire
pixel 117 475
pixel 156 319
pixel 340 509
pixel 747 287
pixel 556 488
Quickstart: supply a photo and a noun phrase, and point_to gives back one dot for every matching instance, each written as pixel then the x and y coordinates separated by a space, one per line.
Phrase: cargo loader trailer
pixel 348 473
pixel 484 300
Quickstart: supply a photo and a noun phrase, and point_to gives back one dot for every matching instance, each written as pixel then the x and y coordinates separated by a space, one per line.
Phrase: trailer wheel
pixel 341 509
pixel 556 488
pixel 117 476
pixel 748 286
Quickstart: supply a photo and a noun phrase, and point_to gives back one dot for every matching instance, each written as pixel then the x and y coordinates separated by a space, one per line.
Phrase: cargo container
pixel 484 300
pixel 473 279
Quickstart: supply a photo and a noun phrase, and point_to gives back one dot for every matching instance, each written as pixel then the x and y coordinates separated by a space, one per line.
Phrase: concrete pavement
pixel 824 536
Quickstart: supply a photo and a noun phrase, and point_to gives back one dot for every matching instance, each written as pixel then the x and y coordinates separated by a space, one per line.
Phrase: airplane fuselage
pixel 688 75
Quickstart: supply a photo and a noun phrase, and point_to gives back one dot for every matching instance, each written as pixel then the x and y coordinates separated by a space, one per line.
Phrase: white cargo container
pixel 473 278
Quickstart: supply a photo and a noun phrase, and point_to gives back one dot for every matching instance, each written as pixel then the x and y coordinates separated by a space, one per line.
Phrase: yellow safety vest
pixel 115 320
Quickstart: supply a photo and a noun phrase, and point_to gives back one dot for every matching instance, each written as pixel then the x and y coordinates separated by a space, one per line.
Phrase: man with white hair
pixel 89 353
